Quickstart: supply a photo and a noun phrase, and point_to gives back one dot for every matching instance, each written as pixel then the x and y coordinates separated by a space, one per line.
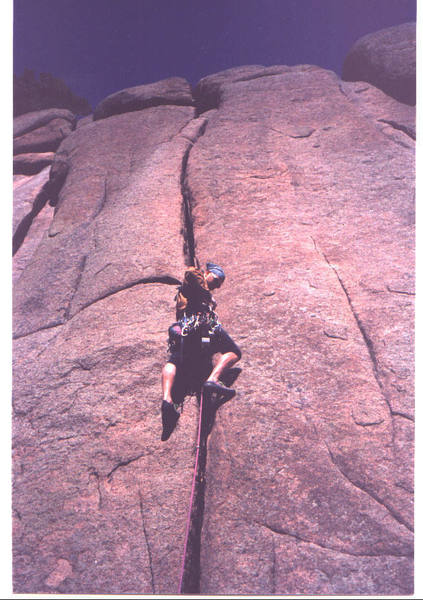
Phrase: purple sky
pixel 101 46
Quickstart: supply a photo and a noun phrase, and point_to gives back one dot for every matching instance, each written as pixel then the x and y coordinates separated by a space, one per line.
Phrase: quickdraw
pixel 192 323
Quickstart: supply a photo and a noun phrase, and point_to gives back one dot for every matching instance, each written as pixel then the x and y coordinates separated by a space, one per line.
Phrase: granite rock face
pixel 34 120
pixel 102 287
pixel 43 139
pixel 305 193
pixel 302 187
pixel 209 90
pixel 387 60
pixel 31 163
pixel 37 136
pixel 32 216
pixel 26 191
pixel 172 91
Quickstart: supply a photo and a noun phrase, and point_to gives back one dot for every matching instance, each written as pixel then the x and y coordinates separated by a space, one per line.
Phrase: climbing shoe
pixel 211 387
pixel 170 416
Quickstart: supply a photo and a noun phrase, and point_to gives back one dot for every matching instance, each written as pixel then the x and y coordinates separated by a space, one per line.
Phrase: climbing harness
pixel 203 324
pixel 191 502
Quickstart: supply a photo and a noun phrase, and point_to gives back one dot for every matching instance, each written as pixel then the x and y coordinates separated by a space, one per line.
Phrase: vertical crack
pixel 360 325
pixel 187 204
pixel 365 336
pixel 150 560
pixel 273 571
pixel 94 473
pixel 102 201
pixel 81 267
pixel 191 578
pixel 188 226
pixel 394 513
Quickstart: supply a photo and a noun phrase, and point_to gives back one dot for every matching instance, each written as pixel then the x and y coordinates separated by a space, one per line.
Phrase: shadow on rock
pixel 216 400
pixel 189 381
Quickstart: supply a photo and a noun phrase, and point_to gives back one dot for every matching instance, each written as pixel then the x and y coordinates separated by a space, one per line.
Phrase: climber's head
pixel 215 275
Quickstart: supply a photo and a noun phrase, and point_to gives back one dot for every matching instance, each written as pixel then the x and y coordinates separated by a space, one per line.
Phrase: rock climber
pixel 197 328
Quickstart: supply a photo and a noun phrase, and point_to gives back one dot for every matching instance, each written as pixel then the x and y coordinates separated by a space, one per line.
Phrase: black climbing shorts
pixel 190 347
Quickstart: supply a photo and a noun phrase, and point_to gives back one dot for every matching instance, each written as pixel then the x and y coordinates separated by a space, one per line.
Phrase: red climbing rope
pixel 191 502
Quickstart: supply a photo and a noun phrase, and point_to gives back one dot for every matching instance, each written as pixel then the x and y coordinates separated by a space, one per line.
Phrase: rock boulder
pixel 32 163
pixel 208 92
pixel 31 217
pixel 173 91
pixel 43 139
pixel 26 190
pixel 387 60
pixel 34 120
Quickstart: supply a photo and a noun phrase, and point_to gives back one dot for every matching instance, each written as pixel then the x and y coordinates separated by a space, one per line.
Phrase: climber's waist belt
pixel 206 323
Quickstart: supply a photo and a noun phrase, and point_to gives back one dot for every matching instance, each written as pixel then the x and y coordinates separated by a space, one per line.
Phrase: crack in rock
pixel 335 336
pixel 341 89
pixel 372 495
pixel 362 423
pixel 368 342
pixel 25 225
pixel 188 202
pixel 48 326
pixel 166 279
pixel 150 560
pixel 102 202
pixel 273 568
pixel 403 415
pixel 102 269
pixel 94 473
pixel 405 292
pixel 257 76
pixel 280 531
pixel 81 268
pixel 47 343
pixel 123 463
pixel 407 130
pixel 366 338
pixel 79 365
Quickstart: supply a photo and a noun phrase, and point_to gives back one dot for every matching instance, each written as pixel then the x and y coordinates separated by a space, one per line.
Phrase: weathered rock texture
pixel 301 191
pixel 31 217
pixel 87 426
pixel 302 187
pixel 31 163
pixel 37 136
pixel 34 120
pixel 386 59
pixel 173 91
pixel 43 139
pixel 32 94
